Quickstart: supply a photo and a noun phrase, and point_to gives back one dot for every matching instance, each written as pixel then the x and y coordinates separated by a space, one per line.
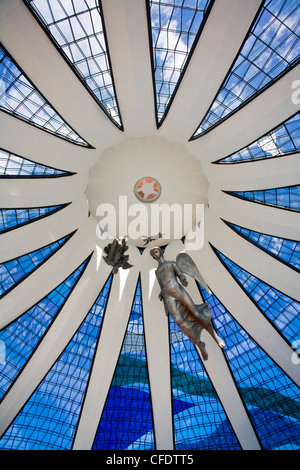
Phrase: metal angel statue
pixel 190 318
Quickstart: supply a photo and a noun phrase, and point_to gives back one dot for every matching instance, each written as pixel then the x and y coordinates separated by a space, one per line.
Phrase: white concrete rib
pixel 128 41
pixel 41 192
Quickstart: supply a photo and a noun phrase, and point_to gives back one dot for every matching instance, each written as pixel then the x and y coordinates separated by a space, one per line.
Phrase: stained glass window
pixel 19 97
pixel 126 421
pixel 12 272
pixel 175 26
pixel 283 140
pixel 78 30
pixel 287 251
pixel 271 47
pixel 22 336
pixel 49 419
pixel 271 398
pixel 199 418
pixel 283 198
pixel 280 309
pixel 14 218
pixel 12 165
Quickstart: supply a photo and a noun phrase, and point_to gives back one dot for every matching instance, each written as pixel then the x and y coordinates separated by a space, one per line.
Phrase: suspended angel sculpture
pixel 190 318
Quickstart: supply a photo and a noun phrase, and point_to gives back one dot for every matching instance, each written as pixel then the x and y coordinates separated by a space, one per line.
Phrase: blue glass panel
pixel 271 398
pixel 77 29
pixel 283 198
pixel 13 271
pixel 126 421
pixel 49 418
pixel 272 45
pixel 23 335
pixel 280 309
pixel 175 26
pixel 13 218
pixel 15 166
pixel 287 251
pixel 282 140
pixel 19 97
pixel 200 423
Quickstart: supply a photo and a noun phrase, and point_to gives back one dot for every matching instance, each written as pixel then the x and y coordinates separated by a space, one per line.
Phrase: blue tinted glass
pixel 20 98
pixel 77 28
pixel 12 272
pixel 272 45
pixel 15 166
pixel 174 28
pixel 284 250
pixel 283 198
pixel 199 418
pixel 49 418
pixel 126 421
pixel 281 310
pixel 282 140
pixel 23 335
pixel 13 218
pixel 271 398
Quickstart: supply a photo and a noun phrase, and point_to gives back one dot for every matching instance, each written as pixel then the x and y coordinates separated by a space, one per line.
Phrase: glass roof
pixel 287 251
pixel 282 140
pixel 175 28
pixel 18 167
pixel 13 218
pixel 78 30
pixel 270 396
pixel 15 270
pixel 280 309
pixel 284 198
pixel 33 324
pixel 271 46
pixel 20 98
pixel 78 398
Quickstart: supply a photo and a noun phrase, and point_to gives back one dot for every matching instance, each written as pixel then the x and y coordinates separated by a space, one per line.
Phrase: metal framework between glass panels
pixel 200 421
pixel 77 29
pixel 14 271
pixel 49 419
pixel 15 218
pixel 286 251
pixel 174 26
pixel 282 140
pixel 14 166
pixel 19 97
pixel 270 397
pixel 283 198
pixel 270 49
pixel 22 336
pixel 126 421
pixel 281 310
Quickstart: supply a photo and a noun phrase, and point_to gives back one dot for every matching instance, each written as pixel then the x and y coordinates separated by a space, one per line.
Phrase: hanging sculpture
pixel 190 318
pixel 115 255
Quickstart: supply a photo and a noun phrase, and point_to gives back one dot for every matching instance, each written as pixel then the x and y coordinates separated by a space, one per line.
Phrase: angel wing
pixel 187 266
